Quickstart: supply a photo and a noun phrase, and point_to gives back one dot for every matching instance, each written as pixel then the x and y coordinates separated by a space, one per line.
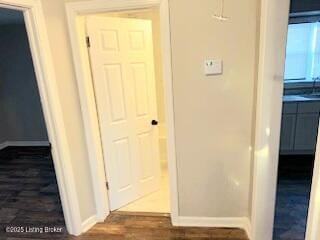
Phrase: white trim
pixel 3 145
pixel 50 99
pixel 268 130
pixel 268 120
pixel 87 99
pixel 89 223
pixel 313 223
pixel 236 222
pixel 24 144
pixel 248 227
pixel 28 143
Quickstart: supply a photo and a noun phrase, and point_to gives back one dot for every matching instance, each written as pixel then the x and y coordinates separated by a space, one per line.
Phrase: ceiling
pixel 8 16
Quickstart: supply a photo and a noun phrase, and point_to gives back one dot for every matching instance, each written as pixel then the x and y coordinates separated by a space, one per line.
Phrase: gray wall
pixel 21 117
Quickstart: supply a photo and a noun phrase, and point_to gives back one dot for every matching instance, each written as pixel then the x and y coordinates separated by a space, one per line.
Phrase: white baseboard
pixel 248 227
pixel 237 222
pixel 88 223
pixel 3 145
pixel 24 144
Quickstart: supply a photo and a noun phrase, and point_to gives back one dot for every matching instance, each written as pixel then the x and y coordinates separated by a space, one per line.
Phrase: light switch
pixel 213 67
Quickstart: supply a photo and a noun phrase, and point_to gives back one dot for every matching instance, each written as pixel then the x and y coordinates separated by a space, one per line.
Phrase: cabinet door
pixel 288 127
pixel 306 131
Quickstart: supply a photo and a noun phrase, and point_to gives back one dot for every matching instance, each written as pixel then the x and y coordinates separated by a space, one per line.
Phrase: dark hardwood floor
pixel 29 194
pixel 29 198
pixel 293 194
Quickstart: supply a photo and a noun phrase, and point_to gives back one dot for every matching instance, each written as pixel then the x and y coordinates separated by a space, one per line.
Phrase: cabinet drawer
pixel 290 108
pixel 309 107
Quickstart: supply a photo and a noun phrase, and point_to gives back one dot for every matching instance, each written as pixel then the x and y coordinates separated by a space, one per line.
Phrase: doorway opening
pixel 126 64
pixel 76 15
pixel 299 127
pixel 29 190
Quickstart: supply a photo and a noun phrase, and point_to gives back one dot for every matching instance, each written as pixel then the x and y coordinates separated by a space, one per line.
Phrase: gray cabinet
pixel 299 127
pixel 288 127
pixel 306 131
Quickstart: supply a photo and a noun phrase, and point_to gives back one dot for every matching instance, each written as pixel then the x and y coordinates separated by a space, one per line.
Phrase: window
pixel 303 52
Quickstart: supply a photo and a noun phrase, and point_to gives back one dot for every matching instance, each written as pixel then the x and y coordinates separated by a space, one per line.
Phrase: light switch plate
pixel 213 67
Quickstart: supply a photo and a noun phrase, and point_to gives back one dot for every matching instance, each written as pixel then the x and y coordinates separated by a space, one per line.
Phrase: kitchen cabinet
pixel 306 132
pixel 299 127
pixel 288 128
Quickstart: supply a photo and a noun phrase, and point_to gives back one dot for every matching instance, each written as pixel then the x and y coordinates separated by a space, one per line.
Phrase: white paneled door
pixel 121 53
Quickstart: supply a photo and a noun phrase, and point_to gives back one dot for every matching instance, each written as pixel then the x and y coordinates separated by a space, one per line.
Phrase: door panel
pixel 109 40
pixel 145 153
pixel 122 63
pixel 123 163
pixel 115 92
pixel 141 88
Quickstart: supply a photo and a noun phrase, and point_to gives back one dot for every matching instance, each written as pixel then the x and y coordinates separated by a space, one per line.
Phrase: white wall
pixel 213 115
pixel 21 112
pixel 55 18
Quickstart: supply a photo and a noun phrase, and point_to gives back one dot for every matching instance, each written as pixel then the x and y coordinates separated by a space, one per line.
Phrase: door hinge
pixel 107 185
pixel 88 41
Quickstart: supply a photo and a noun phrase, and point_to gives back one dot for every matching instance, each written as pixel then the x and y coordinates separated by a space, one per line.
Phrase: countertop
pixel 301 98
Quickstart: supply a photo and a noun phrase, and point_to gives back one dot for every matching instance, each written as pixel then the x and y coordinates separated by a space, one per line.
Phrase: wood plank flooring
pixel 131 227
pixel 120 226
pixel 293 195
pixel 29 194
pixel 29 198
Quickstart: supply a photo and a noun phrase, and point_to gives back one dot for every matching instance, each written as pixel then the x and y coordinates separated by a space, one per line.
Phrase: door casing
pixel 267 132
pixel 75 11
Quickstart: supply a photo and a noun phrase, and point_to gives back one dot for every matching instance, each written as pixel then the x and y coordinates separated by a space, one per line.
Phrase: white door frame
pixel 268 121
pixel 50 99
pixel 87 96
